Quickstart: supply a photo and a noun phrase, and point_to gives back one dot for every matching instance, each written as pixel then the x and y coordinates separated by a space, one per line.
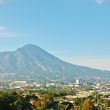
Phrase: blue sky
pixel 77 31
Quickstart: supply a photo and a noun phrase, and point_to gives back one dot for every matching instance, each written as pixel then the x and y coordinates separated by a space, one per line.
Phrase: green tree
pixel 87 105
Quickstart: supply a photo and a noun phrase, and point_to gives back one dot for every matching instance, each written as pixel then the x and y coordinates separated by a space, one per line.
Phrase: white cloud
pixel 2 2
pixel 100 1
pixel 6 32
pixel 2 28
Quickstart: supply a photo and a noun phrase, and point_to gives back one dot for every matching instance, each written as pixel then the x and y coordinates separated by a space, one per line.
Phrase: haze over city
pixel 75 31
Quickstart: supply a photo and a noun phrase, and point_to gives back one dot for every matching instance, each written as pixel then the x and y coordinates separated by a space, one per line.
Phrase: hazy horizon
pixel 75 61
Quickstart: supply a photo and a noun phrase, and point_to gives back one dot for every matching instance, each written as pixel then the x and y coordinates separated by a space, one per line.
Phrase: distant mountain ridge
pixel 30 62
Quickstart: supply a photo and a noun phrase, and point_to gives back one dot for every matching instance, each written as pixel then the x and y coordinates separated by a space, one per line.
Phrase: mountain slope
pixel 32 62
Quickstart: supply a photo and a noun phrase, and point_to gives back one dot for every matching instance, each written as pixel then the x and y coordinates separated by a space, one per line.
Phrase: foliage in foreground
pixel 15 100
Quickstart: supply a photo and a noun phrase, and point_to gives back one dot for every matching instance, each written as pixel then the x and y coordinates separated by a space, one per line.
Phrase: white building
pixel 18 84
pixel 77 83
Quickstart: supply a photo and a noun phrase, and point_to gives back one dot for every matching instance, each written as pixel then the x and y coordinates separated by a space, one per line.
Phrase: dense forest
pixel 47 100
